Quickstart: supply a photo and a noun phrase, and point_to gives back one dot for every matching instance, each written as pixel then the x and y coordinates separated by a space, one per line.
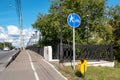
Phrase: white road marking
pixel 2 69
pixel 9 59
pixel 55 69
pixel 33 68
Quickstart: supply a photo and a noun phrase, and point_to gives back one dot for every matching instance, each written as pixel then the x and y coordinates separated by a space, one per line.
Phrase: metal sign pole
pixel 74 48
pixel 74 21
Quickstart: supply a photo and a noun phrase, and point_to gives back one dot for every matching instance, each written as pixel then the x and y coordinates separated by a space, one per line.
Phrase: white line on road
pixel 33 68
pixel 55 69
pixel 2 69
pixel 9 59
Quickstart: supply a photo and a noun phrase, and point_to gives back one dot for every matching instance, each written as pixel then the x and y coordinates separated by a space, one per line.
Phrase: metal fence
pixel 89 52
pixel 39 50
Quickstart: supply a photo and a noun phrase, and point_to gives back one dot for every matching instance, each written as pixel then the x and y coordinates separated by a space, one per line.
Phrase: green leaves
pixel 114 21
pixel 93 16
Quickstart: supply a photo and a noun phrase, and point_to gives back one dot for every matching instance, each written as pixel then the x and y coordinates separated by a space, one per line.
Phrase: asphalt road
pixel 5 57
pixel 28 65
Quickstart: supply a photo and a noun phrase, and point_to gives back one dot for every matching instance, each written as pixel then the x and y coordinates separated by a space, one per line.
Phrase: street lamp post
pixel 87 33
pixel 40 39
pixel 61 43
pixel 35 37
pixel 4 44
pixel 87 27
pixel 30 41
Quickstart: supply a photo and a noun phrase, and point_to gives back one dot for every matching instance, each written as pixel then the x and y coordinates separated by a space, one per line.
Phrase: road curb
pixel 55 69
pixel 12 58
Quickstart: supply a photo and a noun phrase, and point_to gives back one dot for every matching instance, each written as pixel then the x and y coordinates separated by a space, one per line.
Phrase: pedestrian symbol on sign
pixel 74 20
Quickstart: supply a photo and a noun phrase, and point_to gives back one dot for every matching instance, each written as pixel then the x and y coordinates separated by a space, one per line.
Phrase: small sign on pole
pixel 74 21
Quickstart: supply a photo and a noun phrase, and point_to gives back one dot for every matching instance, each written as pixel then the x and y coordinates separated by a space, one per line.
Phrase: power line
pixel 19 13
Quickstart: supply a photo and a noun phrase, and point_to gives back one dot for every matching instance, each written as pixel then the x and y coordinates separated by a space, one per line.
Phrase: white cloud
pixel 28 32
pixel 1 29
pixel 11 34
pixel 13 30
pixel 3 36
pixel 27 35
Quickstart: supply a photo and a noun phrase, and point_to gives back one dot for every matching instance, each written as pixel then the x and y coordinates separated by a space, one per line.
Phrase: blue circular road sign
pixel 73 20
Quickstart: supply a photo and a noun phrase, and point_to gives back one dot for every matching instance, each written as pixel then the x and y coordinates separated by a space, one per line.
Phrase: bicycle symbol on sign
pixel 74 20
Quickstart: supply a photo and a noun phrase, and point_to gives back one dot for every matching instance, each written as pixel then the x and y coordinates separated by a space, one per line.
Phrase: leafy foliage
pixel 114 16
pixel 6 44
pixel 100 24
pixel 93 18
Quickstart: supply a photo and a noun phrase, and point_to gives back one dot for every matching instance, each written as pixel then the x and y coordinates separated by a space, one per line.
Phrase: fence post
pixel 111 52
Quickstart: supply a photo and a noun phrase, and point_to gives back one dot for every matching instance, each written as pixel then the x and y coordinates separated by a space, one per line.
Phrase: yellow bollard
pixel 82 66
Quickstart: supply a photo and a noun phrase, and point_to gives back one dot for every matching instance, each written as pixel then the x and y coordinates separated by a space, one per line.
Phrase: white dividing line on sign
pixel 32 66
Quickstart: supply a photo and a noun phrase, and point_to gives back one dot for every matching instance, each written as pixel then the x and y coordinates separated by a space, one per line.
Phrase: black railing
pixel 39 50
pixel 89 52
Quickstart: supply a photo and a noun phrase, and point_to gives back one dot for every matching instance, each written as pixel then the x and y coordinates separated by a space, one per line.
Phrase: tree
pixel 114 16
pixel 93 22
pixel 6 44
pixel 49 30
pixel 1 45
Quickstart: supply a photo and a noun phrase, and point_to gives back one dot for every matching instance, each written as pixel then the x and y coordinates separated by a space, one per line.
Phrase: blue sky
pixel 30 8
pixel 113 2
pixel 9 26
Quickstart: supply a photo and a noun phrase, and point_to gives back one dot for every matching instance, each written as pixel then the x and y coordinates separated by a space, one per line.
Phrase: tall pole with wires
pixel 19 13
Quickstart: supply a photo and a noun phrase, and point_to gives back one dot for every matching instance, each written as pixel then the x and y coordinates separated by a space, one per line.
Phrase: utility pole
pixel 4 44
pixel 18 8
pixel 21 36
pixel 35 37
pixel 40 38
pixel 87 27
pixel 61 43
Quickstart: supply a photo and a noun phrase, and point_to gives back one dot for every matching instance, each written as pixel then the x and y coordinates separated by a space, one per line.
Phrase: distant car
pixel 6 49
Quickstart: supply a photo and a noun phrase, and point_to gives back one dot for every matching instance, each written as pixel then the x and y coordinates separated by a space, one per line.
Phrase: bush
pixel 117 53
pixel 117 64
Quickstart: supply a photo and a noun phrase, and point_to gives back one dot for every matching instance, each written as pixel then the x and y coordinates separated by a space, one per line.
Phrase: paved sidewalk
pixel 30 66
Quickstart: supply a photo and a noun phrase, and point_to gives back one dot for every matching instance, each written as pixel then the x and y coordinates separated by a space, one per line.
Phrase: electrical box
pixel 48 53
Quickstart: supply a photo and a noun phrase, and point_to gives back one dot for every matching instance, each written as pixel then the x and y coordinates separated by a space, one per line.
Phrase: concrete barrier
pixel 12 58
pixel 90 63
pixel 93 63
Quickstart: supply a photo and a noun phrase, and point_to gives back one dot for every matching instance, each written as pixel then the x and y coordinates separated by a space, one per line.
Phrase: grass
pixel 93 73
